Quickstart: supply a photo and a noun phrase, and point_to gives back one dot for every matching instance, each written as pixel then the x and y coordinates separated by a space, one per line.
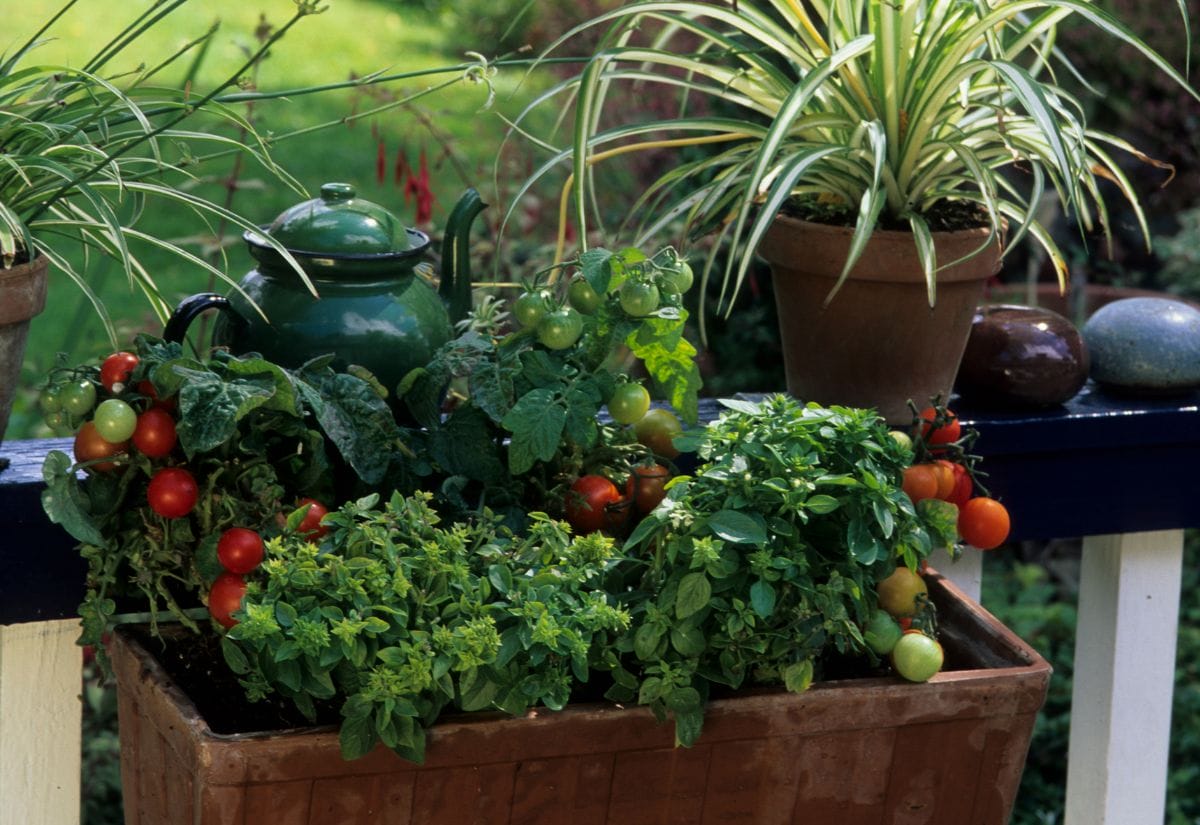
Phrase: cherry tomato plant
pixel 246 441
pixel 527 424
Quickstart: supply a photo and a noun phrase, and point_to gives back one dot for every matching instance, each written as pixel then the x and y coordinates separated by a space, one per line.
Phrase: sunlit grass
pixel 353 38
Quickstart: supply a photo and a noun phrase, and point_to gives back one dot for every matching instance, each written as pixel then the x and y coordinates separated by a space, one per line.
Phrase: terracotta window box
pixel 876 750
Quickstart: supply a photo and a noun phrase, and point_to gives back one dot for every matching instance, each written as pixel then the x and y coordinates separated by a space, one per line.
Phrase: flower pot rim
pixel 818 227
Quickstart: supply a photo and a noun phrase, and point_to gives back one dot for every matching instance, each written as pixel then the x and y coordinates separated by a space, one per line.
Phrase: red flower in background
pixel 417 187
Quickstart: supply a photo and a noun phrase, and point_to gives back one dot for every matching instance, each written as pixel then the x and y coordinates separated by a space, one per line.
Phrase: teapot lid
pixel 339 225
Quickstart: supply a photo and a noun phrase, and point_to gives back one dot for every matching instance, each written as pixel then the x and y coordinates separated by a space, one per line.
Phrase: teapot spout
pixel 455 287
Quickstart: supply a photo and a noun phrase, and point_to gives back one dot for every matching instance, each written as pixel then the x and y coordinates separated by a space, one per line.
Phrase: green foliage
pixel 528 423
pixel 100 764
pixel 254 436
pixel 766 560
pixel 399 617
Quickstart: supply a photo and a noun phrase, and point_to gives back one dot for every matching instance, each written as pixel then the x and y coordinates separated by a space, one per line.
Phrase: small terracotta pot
pixel 878 343
pixel 22 296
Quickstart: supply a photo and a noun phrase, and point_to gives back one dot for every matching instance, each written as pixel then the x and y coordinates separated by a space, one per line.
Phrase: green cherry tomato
pixel 581 295
pixel 638 299
pixel 530 307
pixel 560 329
pixel 917 657
pixel 115 420
pixel 50 400
pixel 679 278
pixel 79 397
pixel 629 403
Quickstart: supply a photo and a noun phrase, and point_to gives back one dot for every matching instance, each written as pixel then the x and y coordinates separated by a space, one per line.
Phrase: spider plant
pixel 86 151
pixel 879 108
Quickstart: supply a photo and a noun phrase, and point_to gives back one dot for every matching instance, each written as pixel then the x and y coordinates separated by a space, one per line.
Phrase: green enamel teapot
pixel 373 307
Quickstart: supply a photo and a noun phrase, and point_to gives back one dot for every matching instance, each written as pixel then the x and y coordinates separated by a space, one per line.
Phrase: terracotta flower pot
pixel 878 343
pixel 878 750
pixel 22 296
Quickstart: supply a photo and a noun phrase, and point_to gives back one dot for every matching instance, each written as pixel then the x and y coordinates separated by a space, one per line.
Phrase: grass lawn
pixel 352 38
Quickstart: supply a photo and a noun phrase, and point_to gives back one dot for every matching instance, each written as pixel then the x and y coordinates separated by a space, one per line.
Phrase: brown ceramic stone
pixel 1019 356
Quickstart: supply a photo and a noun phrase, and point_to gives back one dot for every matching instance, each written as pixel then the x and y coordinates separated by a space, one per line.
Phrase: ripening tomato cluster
pixel 130 418
pixel 558 324
pixel 127 419
pixel 895 630
pixel 983 522
pixel 595 502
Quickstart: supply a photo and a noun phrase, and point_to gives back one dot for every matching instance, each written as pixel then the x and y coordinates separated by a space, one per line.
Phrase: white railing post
pixel 1124 678
pixel 40 719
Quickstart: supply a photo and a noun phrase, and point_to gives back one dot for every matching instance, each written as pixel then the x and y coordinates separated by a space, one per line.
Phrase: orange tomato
pixel 983 523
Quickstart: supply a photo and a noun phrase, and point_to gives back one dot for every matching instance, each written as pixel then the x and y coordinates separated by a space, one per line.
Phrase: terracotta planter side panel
pixel 843 777
pixel 571 791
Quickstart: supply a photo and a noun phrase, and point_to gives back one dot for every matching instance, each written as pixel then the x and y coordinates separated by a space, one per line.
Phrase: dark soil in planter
pixel 194 662
pixel 943 216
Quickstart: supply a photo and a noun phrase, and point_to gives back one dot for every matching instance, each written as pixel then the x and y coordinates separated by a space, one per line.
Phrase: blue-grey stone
pixel 1149 345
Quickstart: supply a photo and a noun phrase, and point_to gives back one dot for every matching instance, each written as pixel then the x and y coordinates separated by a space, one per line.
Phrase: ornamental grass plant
pixel 875 114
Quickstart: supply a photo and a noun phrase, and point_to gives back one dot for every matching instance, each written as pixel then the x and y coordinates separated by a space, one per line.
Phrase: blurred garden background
pixel 415 153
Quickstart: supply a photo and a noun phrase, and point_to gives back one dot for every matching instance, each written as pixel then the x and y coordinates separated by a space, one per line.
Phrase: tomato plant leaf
pixel 354 418
pixel 211 407
pixel 65 503
pixel 671 361
pixel 536 422
pixel 942 516
pixel 464 446
pixel 595 264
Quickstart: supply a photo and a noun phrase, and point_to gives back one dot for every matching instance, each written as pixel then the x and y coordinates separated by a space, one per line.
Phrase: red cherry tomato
pixel 225 597
pixel 240 549
pixel 146 388
pixel 945 434
pixel 963 486
pixel 90 446
pixel 983 522
pixel 311 526
pixel 116 369
pixel 155 434
pixel 650 480
pixel 588 502
pixel 172 492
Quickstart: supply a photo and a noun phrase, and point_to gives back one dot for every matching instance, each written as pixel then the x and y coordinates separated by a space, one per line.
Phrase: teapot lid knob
pixel 336 192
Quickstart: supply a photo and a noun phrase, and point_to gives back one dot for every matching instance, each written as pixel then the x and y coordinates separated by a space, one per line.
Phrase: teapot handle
pixel 192 306
pixel 455 288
